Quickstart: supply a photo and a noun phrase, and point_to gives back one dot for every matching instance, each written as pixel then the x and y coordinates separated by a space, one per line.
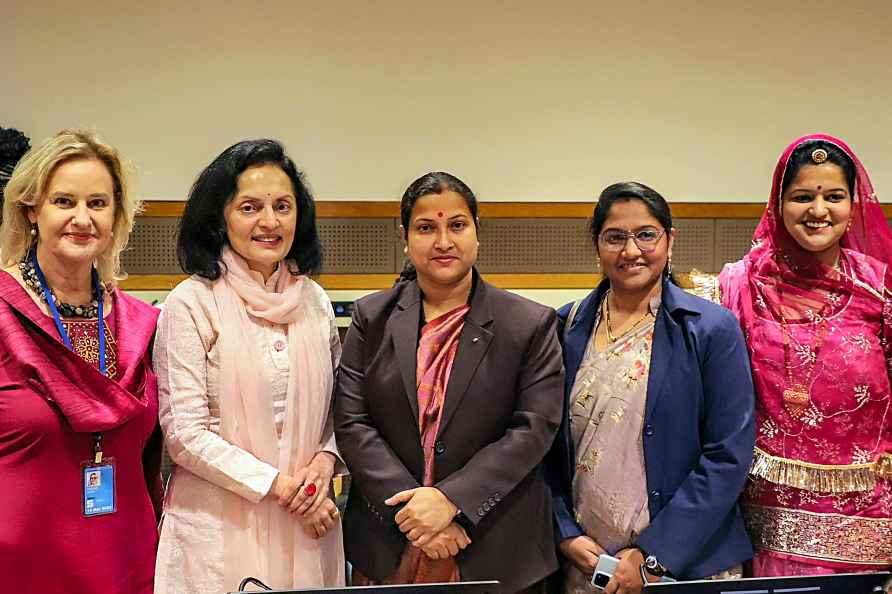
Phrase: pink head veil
pixel 784 277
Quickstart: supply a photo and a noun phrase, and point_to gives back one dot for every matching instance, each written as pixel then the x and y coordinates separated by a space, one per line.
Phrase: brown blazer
pixel 503 408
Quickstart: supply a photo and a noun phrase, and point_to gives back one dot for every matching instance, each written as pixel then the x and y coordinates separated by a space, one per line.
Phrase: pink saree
pixel 819 498
pixel 436 353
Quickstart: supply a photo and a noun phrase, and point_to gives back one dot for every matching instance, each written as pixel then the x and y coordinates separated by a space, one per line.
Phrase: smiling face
pixel 442 239
pixel 261 217
pixel 816 209
pixel 628 267
pixel 76 214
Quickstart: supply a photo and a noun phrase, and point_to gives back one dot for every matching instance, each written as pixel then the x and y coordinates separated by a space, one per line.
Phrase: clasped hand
pixel 427 521
pixel 305 494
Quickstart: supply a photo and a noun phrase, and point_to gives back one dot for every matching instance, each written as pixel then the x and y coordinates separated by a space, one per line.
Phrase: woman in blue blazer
pixel 658 431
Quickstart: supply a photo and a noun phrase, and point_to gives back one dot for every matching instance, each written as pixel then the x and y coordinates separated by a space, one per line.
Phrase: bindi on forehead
pixel 440 214
pixel 819 187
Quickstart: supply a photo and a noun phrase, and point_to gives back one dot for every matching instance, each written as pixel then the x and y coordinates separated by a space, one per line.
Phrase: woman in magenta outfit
pixel 813 297
pixel 68 395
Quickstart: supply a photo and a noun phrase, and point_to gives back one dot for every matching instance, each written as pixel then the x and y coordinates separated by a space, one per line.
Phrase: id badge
pixel 98 481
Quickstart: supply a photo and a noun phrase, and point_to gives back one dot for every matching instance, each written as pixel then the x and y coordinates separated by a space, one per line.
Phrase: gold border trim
pixel 822 478
pixel 824 536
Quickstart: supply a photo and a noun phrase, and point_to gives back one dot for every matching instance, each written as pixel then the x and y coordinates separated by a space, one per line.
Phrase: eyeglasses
pixel 646 239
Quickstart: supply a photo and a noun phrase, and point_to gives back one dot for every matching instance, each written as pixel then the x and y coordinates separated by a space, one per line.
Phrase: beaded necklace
pixel 66 310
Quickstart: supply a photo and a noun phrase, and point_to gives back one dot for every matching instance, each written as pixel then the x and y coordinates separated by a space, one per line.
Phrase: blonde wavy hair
pixel 27 186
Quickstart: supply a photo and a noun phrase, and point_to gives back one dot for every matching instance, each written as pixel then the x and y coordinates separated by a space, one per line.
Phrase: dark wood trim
pixel 365 282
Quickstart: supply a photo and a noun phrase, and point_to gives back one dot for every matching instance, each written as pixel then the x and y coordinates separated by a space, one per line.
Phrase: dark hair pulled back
pixel 435 182
pixel 624 192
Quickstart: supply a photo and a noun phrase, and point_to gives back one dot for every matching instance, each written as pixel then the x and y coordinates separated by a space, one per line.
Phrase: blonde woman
pixel 79 445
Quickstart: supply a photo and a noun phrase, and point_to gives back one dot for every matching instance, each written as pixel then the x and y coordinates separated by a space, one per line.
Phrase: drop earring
pixel 669 266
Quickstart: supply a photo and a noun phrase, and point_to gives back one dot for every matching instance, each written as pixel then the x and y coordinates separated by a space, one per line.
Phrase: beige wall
pixel 525 100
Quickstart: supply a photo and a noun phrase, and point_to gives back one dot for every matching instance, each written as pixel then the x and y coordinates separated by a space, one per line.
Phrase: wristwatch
pixel 652 566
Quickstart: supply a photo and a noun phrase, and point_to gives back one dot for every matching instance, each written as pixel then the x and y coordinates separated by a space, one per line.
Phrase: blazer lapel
pixel 404 329
pixel 472 347
pixel 665 331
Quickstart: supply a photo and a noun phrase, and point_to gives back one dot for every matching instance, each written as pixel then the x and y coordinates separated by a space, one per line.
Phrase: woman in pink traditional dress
pixel 813 298
pixel 449 395
pixel 245 355
pixel 80 448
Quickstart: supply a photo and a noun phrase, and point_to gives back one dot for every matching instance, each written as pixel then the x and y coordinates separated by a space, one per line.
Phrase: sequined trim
pixel 821 478
pixel 829 537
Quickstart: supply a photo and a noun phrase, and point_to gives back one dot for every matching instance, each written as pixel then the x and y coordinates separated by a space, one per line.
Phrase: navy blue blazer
pixel 699 433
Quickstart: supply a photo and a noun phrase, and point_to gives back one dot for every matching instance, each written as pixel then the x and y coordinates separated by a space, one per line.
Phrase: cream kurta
pixel 190 551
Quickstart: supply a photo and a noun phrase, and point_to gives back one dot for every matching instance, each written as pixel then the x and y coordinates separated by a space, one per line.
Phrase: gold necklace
pixel 606 307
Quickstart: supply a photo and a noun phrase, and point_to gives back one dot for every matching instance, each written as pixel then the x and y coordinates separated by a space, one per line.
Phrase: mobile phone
pixel 604 571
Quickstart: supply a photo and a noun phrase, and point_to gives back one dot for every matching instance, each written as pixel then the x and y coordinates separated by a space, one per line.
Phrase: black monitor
pixel 840 583
pixel 446 588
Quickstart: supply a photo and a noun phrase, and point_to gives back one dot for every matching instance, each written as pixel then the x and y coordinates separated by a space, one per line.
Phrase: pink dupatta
pixel 263 540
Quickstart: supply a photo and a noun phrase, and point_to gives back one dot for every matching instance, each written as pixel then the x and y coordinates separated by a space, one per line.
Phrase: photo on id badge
pixel 98 488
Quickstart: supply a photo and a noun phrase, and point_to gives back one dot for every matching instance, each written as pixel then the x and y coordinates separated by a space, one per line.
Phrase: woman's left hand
pixel 314 490
pixel 317 523
pixel 426 513
pixel 627 575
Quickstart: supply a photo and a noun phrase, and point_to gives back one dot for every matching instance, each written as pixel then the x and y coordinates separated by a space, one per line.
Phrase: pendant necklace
pixel 606 306
pixel 797 394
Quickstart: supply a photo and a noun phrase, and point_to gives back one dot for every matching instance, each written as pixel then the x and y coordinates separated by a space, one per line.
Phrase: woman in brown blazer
pixel 449 394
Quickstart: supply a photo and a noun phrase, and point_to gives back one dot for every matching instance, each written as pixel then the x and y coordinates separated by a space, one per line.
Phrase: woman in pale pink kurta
pixel 245 353
pixel 819 498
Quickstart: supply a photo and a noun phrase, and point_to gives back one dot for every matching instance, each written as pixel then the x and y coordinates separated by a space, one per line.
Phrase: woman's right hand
pixel 583 552
pixel 285 488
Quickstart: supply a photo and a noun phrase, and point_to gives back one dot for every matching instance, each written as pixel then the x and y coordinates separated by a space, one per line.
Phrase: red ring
pixel 310 490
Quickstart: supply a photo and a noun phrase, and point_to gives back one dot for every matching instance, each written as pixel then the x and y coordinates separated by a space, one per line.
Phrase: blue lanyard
pixel 51 302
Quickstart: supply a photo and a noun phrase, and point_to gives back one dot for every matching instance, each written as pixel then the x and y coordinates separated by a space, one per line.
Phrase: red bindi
pixel 440 214
pixel 819 187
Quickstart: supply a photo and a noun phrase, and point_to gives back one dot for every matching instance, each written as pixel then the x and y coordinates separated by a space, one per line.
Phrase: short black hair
pixel 202 230
pixel 435 182
pixel 624 192
pixel 801 156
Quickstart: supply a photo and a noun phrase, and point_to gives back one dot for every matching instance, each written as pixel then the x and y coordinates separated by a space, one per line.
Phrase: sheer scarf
pixel 262 539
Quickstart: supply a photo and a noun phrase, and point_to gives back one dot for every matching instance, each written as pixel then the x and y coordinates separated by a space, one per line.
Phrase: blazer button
pixel 439 447
pixel 655 494
pixel 649 430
